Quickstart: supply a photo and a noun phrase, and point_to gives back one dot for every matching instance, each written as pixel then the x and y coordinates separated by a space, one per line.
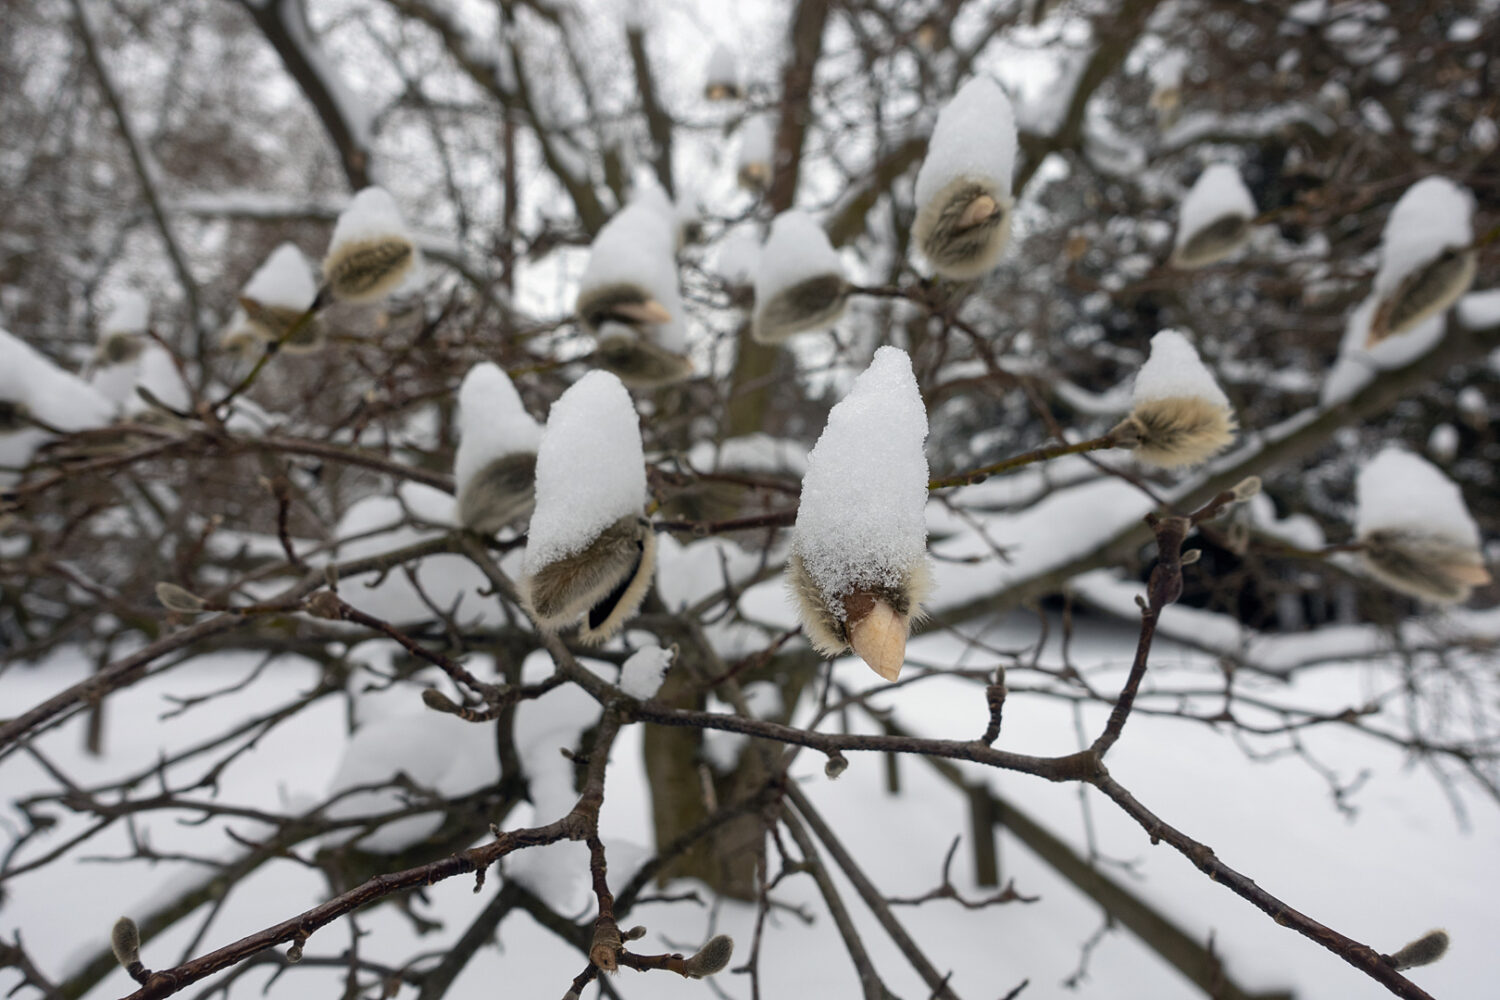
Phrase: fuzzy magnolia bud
pixel 1423 951
pixel 438 702
pixel 799 285
pixel 1180 415
pixel 371 252
pixel 836 765
pixel 125 942
pixel 1215 218
pixel 711 958
pixel 1246 488
pixel 637 360
pixel 179 599
pixel 1425 259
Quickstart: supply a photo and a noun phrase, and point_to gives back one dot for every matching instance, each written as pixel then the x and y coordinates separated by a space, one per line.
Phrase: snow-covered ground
pixel 1403 865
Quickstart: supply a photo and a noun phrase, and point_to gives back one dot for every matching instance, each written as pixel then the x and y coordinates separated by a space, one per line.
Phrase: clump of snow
pixel 1442 443
pixel 590 469
pixel 285 280
pixel 1398 491
pixel 1433 215
pixel 47 392
pixel 492 421
pixel 974 138
pixel 1480 310
pixel 642 675
pixel 738 256
pixel 372 214
pixel 1218 193
pixel 1359 361
pixel 861 520
pixel 130 313
pixel 797 250
pixel 1174 371
pixel 158 374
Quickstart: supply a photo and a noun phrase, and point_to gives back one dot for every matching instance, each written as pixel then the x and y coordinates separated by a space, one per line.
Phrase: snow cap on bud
pixel 371 251
pixel 123 332
pixel 711 958
pixel 179 599
pixel 1425 260
pixel 495 467
pixel 1166 86
pixel 963 189
pixel 1423 951
pixel 721 80
pixel 629 286
pixel 757 153
pixel 1179 416
pixel 1215 218
pixel 589 551
pixel 1417 534
pixel 273 303
pixel 858 570
pixel 799 281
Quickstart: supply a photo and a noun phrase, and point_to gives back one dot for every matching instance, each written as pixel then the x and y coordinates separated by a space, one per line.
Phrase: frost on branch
pixel 858 569
pixel 963 189
pixel 1417 534
pixel 371 252
pixel 1215 218
pixel 589 551
pixel 1179 415
pixel 1425 259
pixel 273 301
pixel 629 296
pixel 799 282
pixel 494 469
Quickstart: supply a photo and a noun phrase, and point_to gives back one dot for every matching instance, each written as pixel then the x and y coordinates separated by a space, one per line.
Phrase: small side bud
pixel 837 765
pixel 325 604
pixel 179 599
pixel 1423 951
pixel 438 702
pixel 125 942
pixel 1191 556
pixel 1246 488
pixel 635 933
pixel 711 959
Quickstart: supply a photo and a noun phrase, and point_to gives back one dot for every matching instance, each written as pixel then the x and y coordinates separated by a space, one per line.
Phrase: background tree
pixel 289 507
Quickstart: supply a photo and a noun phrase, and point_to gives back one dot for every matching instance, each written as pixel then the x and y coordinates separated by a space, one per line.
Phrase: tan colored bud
pixel 125 942
pixel 712 958
pixel 1428 567
pixel 604 583
pixel 638 361
pixel 368 270
pixel 1424 293
pixel 1212 243
pixel 874 622
pixel 1423 951
pixel 179 599
pixel 814 304
pixel 500 494
pixel 1176 431
pixel 963 229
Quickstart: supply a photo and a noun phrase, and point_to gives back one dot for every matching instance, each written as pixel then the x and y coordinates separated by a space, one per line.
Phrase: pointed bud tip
pixel 879 639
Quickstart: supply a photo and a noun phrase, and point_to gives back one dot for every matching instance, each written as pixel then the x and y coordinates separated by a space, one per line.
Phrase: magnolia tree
pixel 699 477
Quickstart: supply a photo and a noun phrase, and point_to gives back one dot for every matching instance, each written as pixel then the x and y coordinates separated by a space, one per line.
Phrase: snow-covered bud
pixel 711 958
pixel 1423 951
pixel 1166 86
pixel 125 942
pixel 756 153
pixel 721 80
pixel 835 765
pixel 123 332
pixel 494 469
pixel 963 189
pixel 1417 534
pixel 1179 415
pixel 273 304
pixel 1215 218
pixel 179 599
pixel 858 569
pixel 1425 263
pixel 589 552
pixel 371 251
pixel 799 282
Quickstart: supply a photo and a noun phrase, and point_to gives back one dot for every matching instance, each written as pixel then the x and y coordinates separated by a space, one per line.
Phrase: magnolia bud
pixel 711 959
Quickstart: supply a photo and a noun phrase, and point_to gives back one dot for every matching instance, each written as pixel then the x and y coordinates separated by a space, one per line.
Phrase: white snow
pixel 975 137
pixel 797 250
pixel 860 520
pixel 285 280
pixel 642 675
pixel 1470 401
pixel 738 255
pixel 130 313
pixel 638 247
pixel 1433 215
pixel 1480 310
pixel 723 68
pixel 1174 371
pixel 1400 491
pixel 53 395
pixel 157 373
pixel 492 421
pixel 1442 443
pixel 1358 363
pixel 1218 192
pixel 1165 71
pixel 371 214
pixel 757 137
pixel 590 469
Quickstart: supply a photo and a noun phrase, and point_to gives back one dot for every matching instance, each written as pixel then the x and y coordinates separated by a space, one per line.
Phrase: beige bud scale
pixel 874 622
pixel 1176 431
pixel 604 582
pixel 500 494
pixel 1424 293
pixel 1428 567
pixel 963 229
